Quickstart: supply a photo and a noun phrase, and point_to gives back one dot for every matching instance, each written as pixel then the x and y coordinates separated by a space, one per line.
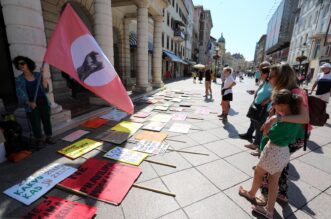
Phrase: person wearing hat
pixel 323 83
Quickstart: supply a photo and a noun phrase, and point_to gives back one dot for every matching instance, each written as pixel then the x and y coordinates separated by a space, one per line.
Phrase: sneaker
pixel 50 140
pixel 245 136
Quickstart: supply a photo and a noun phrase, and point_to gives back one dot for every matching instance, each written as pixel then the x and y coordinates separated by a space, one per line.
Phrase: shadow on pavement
pixel 233 132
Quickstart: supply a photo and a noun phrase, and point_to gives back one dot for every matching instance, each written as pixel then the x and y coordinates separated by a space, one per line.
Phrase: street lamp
pixel 216 57
pixel 300 59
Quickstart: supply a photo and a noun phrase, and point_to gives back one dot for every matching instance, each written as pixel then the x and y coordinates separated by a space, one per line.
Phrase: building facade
pixel 260 50
pixel 279 31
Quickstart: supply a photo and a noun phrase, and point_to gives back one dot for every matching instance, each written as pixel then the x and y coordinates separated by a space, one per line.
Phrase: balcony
pixel 179 35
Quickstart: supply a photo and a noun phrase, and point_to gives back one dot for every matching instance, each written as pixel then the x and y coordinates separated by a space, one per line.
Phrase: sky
pixel 242 22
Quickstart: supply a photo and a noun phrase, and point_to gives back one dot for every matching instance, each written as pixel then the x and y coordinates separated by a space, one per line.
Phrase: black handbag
pixel 256 112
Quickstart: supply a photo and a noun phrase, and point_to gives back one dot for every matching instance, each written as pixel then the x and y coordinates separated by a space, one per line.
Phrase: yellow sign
pixel 79 148
pixel 128 127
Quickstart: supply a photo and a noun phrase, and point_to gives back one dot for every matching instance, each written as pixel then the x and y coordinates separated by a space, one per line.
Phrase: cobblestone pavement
pixel 205 186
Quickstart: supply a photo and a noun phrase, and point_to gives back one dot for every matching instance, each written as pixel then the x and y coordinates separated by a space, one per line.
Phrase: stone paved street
pixel 205 186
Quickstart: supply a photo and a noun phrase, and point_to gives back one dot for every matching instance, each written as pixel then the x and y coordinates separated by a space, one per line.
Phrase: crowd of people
pixel 279 117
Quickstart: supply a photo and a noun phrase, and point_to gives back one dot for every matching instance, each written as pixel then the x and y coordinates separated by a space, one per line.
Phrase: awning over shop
pixel 133 42
pixel 174 57
pixel 190 62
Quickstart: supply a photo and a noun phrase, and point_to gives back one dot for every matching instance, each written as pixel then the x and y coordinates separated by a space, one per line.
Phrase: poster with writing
pixel 202 111
pixel 126 126
pixel 154 126
pixel 95 123
pixel 115 137
pixel 176 109
pixel 180 127
pixel 115 115
pixel 79 148
pixel 179 116
pixel 176 100
pixel 161 108
pixel 161 118
pixel 151 136
pixel 141 114
pixel 126 156
pixel 57 208
pixel 151 147
pixel 106 181
pixel 75 135
pixel 35 186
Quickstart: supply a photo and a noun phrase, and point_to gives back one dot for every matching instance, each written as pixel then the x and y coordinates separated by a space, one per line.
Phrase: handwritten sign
pixel 202 111
pixel 151 147
pixel 154 126
pixel 75 135
pixel 151 136
pixel 179 116
pixel 126 155
pixel 115 115
pixel 161 118
pixel 57 208
pixel 79 148
pixel 115 137
pixel 180 128
pixel 106 181
pixel 176 109
pixel 32 188
pixel 141 114
pixel 129 127
pixel 95 123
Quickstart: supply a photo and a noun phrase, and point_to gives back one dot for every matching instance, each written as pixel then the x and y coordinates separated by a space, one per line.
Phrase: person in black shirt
pixel 208 83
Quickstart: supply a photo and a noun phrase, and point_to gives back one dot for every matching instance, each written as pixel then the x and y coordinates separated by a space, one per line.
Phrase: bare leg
pixel 273 189
pixel 257 181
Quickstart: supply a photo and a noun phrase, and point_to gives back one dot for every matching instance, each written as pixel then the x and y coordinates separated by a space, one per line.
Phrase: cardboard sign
pixel 75 135
pixel 126 156
pixel 151 147
pixel 115 115
pixel 151 136
pixel 141 114
pixel 202 111
pixel 129 127
pixel 57 208
pixel 154 126
pixel 115 137
pixel 180 128
pixel 162 108
pixel 95 123
pixel 106 181
pixel 161 118
pixel 79 148
pixel 176 109
pixel 179 116
pixel 35 186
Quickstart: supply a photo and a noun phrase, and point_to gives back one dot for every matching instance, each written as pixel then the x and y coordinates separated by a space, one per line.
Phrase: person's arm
pixel 312 89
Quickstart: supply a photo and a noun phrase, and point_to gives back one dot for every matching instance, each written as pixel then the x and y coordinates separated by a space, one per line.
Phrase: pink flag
pixel 73 50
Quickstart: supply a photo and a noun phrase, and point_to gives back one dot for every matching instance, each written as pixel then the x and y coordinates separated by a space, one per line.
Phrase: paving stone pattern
pixel 205 186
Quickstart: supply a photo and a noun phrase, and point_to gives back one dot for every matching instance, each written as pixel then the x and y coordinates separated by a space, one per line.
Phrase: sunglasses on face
pixel 265 71
pixel 21 63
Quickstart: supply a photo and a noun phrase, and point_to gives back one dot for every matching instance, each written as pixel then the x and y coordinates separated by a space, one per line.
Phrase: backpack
pixel 317 111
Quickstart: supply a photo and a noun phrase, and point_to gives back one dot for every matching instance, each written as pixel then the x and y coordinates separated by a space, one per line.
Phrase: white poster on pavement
pixel 180 128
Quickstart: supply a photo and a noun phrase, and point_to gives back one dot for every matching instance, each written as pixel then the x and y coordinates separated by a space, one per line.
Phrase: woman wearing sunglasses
pixel 31 88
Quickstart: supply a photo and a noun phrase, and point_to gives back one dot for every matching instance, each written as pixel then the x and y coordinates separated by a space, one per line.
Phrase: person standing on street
pixel 208 76
pixel 31 88
pixel 227 95
pixel 200 76
pixel 323 83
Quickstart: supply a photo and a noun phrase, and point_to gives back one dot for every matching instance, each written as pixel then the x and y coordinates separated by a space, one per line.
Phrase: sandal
pixel 256 200
pixel 251 146
pixel 263 211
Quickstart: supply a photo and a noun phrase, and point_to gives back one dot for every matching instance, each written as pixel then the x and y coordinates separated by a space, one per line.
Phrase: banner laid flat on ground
pixel 105 181
pixel 151 136
pixel 75 135
pixel 95 123
pixel 79 148
pixel 115 137
pixel 129 127
pixel 32 188
pixel 57 208
pixel 126 156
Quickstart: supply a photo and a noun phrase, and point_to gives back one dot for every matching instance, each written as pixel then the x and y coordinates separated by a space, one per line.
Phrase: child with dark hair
pixel 275 151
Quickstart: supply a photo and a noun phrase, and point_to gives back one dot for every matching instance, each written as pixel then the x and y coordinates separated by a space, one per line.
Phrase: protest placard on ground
pixel 95 123
pixel 33 187
pixel 148 109
pixel 115 115
pixel 79 148
pixel 202 111
pixel 151 136
pixel 180 127
pixel 57 208
pixel 177 100
pixel 179 116
pixel 161 118
pixel 126 155
pixel 162 108
pixel 126 126
pixel 115 137
pixel 103 180
pixel 176 109
pixel 137 119
pixel 141 114
pixel 154 126
pixel 151 147
pixel 75 135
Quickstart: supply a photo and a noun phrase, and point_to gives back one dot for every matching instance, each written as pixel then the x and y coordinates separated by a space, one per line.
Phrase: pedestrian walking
pixel 323 83
pixel 31 88
pixel 208 78
pixel 227 95
pixel 200 76
pixel 194 75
